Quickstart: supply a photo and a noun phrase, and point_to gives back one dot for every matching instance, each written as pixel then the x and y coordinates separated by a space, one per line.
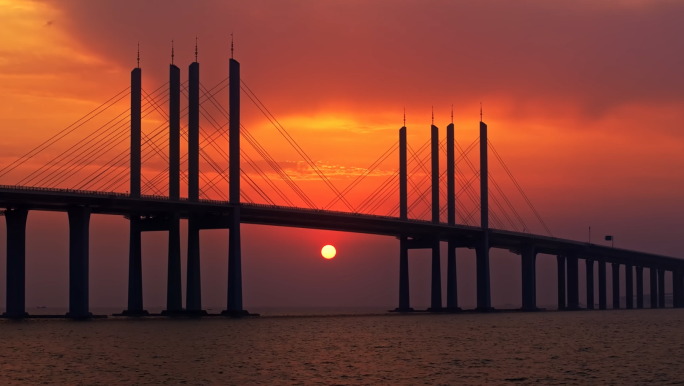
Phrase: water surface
pixel 590 347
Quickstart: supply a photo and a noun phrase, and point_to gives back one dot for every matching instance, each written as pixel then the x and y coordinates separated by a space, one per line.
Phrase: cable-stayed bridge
pixel 437 194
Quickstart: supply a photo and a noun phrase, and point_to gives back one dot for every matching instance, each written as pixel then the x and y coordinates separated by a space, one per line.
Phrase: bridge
pixel 72 182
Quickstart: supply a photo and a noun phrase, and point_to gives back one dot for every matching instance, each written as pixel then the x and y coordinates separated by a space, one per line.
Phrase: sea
pixel 349 347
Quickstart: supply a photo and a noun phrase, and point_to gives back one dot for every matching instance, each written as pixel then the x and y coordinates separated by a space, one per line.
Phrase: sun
pixel 328 252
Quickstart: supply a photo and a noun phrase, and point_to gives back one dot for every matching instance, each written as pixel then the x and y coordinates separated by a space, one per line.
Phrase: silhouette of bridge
pixel 72 182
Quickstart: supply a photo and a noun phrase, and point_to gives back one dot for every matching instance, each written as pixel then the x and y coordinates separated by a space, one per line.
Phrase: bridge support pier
pixel 404 297
pixel 174 290
pixel 484 302
pixel 590 283
pixel 560 260
pixel 436 280
pixel 678 285
pixel 484 296
pixel 654 286
pixel 528 257
pixel 135 294
pixel 573 283
pixel 629 286
pixel 675 293
pixel 79 222
pixel 15 305
pixel 193 296
pixel 452 288
pixel 234 268
pixel 639 287
pixel 661 288
pixel 603 297
pixel 616 285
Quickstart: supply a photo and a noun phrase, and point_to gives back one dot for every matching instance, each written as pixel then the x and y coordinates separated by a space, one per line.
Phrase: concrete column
pixel 451 182
pixel 529 295
pixel 590 283
pixel 436 288
pixel 661 288
pixel 603 297
pixel 174 132
pixel 15 306
pixel 484 176
pixel 654 287
pixel 434 139
pixel 561 282
pixel 573 282
pixel 680 288
pixel 629 286
pixel 193 132
pixel 136 101
pixel 234 267
pixel 675 291
pixel 404 297
pixel 484 302
pixel 193 290
pixel 234 133
pixel 452 288
pixel 640 287
pixel 482 270
pixel 403 176
pixel 135 294
pixel 616 285
pixel 79 222
pixel 174 290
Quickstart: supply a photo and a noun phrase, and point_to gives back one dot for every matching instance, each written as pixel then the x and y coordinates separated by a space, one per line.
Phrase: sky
pixel 583 101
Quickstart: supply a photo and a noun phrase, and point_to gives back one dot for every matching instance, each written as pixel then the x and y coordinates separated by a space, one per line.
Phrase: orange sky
pixel 584 101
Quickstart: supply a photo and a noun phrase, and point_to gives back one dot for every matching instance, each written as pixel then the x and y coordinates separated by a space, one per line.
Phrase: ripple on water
pixel 608 347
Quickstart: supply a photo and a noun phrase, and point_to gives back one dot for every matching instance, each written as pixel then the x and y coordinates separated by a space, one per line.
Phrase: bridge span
pixel 163 213
pixel 153 213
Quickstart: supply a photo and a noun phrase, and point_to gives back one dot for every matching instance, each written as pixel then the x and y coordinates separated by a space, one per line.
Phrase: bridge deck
pixel 123 204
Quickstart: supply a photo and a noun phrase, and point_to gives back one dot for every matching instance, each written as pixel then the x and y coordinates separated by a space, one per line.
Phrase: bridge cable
pixel 56 137
pixel 293 143
pixel 496 154
pixel 269 160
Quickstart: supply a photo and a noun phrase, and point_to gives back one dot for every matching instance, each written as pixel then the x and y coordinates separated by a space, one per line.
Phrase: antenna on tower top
pixel 231 45
pixel 171 51
pixel 433 115
pixel 480 111
pixel 404 116
pixel 452 114
pixel 138 54
pixel 195 48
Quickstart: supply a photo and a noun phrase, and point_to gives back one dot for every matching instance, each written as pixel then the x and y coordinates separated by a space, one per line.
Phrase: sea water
pixel 621 347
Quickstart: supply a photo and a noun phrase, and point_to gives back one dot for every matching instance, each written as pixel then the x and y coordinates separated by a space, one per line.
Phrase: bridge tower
pixel 436 282
pixel 234 247
pixel 193 296
pixel 404 297
pixel 135 296
pixel 484 302
pixel 452 288
pixel 174 291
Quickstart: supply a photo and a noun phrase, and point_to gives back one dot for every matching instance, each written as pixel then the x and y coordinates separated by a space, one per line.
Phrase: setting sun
pixel 328 252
